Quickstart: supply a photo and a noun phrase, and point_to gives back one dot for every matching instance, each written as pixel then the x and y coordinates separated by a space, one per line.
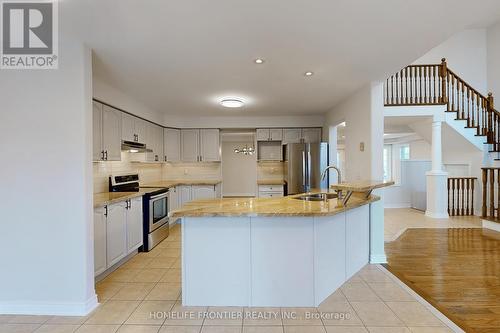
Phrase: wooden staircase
pixel 436 84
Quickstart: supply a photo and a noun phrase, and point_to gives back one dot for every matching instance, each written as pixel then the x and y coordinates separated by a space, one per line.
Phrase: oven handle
pixel 159 196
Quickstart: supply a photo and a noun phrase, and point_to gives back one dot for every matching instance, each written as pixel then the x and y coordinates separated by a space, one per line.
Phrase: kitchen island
pixel 272 252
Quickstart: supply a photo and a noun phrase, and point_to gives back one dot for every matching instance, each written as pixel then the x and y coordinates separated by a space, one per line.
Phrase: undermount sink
pixel 317 197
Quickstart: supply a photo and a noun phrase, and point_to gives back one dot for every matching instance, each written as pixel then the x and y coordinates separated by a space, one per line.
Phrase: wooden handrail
pixel 436 84
pixel 461 196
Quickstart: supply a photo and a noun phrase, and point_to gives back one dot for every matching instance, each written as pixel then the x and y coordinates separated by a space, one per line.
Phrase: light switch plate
pixel 361 146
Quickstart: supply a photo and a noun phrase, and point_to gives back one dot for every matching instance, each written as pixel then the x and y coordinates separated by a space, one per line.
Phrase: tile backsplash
pixel 151 172
pixel 207 170
pixel 270 170
pixel 148 172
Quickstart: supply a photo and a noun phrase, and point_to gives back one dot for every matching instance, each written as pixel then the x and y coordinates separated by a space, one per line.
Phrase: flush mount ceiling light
pixel 259 61
pixel 308 73
pixel 232 103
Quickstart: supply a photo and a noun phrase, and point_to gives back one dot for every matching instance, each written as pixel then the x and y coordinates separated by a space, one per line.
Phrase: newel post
pixel 444 74
pixel 484 208
pixel 491 107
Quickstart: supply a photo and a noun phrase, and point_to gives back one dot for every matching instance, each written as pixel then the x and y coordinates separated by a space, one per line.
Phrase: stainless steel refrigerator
pixel 304 163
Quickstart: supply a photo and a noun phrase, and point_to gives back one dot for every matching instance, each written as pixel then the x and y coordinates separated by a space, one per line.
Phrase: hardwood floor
pixel 456 270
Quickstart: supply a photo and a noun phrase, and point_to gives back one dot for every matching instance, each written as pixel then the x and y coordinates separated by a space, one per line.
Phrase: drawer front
pixel 270 194
pixel 271 188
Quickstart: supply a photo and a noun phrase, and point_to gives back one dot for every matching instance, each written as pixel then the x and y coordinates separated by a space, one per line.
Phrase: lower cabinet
pixel 117 232
pixel 134 225
pixel 203 192
pixel 99 241
pixel 271 191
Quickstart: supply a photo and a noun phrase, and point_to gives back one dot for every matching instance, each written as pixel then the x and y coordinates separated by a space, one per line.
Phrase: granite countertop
pixel 284 206
pixel 362 185
pixel 108 198
pixel 271 182
pixel 177 182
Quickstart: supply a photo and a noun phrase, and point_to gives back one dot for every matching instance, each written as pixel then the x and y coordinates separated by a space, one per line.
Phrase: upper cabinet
pixel 107 124
pixel 133 129
pixel 301 135
pixel 171 145
pixel 190 145
pixel 200 145
pixel 209 145
pixel 292 135
pixel 154 141
pixel 269 134
pixel 311 135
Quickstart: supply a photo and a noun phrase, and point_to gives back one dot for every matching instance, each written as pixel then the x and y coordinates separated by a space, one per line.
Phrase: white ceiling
pixel 180 57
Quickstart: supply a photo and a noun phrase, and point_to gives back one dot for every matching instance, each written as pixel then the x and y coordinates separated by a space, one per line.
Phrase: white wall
pixel 364 116
pixel 420 150
pixel 465 53
pixel 493 50
pixel 239 171
pixel 245 121
pixel 110 95
pixel 46 201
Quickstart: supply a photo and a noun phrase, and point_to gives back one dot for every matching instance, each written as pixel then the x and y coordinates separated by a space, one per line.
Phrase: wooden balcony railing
pixel 461 196
pixel 491 198
pixel 436 84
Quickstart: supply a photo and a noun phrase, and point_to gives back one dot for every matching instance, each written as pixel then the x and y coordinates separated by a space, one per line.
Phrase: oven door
pixel 158 211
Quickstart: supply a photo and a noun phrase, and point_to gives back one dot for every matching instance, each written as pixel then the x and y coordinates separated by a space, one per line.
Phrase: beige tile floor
pixel 370 302
pixel 397 220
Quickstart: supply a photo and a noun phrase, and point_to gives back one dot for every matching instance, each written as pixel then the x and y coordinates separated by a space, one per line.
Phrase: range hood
pixel 135 147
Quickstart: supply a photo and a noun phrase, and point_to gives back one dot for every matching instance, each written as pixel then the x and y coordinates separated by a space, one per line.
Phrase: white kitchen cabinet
pixel 272 134
pixel 154 141
pixel 209 145
pixel 171 145
pixel 292 135
pixel 116 233
pixel 97 152
pixel 111 133
pixel 106 132
pixel 184 193
pixel 133 129
pixel 203 192
pixel 200 145
pixel 190 139
pixel 134 225
pixel 99 241
pixel 357 239
pixel 271 191
pixel 311 135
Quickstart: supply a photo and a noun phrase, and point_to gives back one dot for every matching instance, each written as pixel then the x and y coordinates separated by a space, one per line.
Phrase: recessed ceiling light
pixel 259 61
pixel 232 103
pixel 308 73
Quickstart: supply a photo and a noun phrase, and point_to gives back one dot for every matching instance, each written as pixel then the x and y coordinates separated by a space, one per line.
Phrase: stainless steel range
pixel 155 208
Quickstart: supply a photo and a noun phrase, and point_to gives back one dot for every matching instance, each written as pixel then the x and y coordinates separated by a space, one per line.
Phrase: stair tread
pixel 491 219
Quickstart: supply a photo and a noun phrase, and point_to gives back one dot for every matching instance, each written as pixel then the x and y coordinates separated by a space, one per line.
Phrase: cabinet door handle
pixel 106 155
pixel 102 155
pixel 165 158
pixel 106 211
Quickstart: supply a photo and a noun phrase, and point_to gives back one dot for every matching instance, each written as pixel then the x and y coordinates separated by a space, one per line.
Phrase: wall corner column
pixel 437 196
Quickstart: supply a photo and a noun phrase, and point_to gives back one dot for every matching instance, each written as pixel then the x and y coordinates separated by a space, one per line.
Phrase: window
pixel 387 162
pixel 404 152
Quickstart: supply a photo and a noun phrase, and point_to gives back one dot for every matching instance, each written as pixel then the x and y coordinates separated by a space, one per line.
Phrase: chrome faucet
pixel 323 175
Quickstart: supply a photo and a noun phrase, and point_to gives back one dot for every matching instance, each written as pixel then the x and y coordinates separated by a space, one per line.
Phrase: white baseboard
pixel 397 205
pixel 491 225
pixel 49 308
pixel 437 215
pixel 378 259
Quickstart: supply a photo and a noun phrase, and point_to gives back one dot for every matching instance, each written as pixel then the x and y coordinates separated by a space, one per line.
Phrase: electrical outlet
pixel 361 146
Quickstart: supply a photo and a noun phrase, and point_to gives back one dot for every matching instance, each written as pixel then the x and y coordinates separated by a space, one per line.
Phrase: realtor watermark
pixel 29 34
pixel 248 315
